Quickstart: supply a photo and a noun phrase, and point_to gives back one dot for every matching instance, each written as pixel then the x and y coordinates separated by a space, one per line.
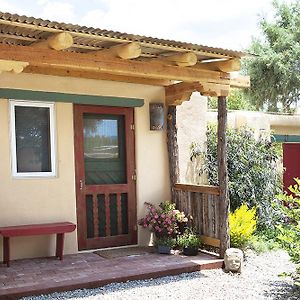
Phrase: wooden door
pixel 291 163
pixel 105 176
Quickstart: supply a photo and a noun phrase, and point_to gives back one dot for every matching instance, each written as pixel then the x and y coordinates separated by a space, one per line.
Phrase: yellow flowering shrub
pixel 242 224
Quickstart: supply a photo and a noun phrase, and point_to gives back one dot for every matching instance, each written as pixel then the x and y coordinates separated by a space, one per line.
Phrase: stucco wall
pixel 53 199
pixel 286 130
pixel 191 125
pixel 261 122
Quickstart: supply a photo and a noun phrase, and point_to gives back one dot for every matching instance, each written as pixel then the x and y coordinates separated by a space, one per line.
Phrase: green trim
pixel 72 98
pixel 281 138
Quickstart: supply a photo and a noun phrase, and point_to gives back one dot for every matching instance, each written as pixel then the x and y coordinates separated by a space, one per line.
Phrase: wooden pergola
pixel 39 46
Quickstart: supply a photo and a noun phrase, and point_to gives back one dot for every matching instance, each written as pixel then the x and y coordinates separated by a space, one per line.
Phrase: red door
pixel 105 174
pixel 291 163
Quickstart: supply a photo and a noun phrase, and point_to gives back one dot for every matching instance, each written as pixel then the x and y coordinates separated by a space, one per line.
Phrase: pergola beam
pixel 66 72
pixel 59 41
pixel 78 61
pixel 240 82
pixel 182 59
pixel 124 51
pixel 12 66
pixel 231 65
pixel 180 92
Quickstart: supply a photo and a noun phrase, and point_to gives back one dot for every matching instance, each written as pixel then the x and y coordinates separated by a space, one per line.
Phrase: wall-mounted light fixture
pixel 157 116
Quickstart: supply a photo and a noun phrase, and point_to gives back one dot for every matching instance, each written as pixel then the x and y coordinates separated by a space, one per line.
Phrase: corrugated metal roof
pixel 23 30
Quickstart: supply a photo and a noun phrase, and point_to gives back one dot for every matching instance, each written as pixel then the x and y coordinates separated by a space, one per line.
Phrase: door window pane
pixel 101 138
pixel 104 149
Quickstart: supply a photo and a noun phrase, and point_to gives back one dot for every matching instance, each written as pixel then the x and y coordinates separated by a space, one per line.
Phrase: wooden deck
pixel 88 270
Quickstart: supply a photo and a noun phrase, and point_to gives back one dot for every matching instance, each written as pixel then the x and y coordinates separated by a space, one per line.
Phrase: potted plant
pixel 165 244
pixel 189 242
pixel 163 221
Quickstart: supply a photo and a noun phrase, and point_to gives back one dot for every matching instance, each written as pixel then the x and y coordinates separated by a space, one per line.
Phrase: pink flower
pixel 156 216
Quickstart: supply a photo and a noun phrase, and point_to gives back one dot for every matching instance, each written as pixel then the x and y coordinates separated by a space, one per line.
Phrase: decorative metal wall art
pixel 157 116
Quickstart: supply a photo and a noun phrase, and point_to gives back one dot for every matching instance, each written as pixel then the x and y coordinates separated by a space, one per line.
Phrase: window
pixel 32 139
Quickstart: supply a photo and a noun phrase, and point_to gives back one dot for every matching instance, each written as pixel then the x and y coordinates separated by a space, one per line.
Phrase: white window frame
pixel 51 106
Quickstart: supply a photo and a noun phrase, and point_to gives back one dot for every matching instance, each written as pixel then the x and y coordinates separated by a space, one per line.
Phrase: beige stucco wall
pixel 286 130
pixel 258 121
pixel 53 199
pixel 26 201
pixel 261 122
pixel 191 125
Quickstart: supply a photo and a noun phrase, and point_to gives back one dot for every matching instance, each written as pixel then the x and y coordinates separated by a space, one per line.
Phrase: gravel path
pixel 259 280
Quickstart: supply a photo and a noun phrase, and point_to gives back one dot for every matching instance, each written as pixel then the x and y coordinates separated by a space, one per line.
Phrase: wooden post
pixel 223 176
pixel 172 150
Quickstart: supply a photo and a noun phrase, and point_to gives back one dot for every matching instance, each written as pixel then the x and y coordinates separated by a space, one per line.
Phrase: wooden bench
pixel 36 229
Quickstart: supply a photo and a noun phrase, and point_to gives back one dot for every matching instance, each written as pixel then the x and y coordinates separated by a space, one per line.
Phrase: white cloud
pixel 93 17
pixel 58 11
pixel 189 20
pixel 42 2
pixel 9 6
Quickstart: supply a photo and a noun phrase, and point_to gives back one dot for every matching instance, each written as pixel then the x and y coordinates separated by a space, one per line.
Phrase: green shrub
pixel 242 224
pixel 264 242
pixel 252 172
pixel 289 235
pixel 165 241
pixel 189 239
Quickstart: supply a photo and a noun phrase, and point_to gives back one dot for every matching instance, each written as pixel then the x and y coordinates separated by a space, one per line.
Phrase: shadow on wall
pixel 195 172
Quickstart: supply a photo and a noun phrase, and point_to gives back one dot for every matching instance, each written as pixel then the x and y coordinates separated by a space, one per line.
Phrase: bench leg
pixel 6 250
pixel 60 245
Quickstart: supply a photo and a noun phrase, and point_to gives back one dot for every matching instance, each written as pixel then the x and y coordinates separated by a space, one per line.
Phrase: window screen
pixel 32 139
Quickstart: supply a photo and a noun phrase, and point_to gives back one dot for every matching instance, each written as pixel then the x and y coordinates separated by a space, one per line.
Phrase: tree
pixel 275 71
pixel 236 101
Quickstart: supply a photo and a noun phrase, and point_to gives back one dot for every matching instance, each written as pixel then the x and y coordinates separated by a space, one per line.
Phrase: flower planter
pixel 164 249
pixel 190 251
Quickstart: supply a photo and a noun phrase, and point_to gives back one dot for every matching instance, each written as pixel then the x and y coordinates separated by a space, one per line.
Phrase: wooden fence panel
pixel 202 203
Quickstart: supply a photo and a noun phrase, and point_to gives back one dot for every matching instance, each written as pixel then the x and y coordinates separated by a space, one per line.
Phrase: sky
pixel 229 24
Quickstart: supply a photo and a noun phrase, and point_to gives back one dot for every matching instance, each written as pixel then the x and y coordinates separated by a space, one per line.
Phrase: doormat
pixel 120 252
